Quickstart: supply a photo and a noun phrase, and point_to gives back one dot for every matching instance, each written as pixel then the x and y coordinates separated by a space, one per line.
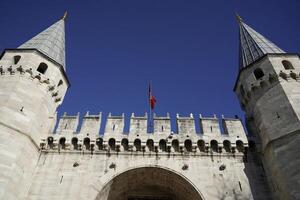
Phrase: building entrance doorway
pixel 149 183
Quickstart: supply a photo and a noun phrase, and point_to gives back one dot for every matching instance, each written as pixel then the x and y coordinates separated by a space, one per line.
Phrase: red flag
pixel 152 100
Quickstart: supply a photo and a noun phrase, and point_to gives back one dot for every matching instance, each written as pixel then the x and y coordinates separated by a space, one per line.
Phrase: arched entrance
pixel 149 183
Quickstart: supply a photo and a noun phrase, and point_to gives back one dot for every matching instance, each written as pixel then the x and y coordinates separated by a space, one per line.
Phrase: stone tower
pixel 33 84
pixel 268 89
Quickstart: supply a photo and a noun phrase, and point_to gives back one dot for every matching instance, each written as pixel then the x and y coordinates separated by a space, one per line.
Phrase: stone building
pixel 75 162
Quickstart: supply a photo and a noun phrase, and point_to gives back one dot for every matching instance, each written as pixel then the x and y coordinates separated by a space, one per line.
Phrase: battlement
pixel 162 140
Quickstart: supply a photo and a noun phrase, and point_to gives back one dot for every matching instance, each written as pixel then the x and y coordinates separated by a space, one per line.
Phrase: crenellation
pixel 162 125
pixel 210 126
pixel 68 124
pixel 91 124
pixel 138 124
pixel 186 125
pixel 114 125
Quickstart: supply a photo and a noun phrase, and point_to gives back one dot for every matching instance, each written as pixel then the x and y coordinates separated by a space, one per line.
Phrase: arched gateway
pixel 149 183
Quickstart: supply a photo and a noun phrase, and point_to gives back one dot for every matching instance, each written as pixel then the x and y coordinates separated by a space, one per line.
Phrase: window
pixel 150 145
pixel 227 145
pixel 99 143
pixel 86 143
pixel 188 145
pixel 124 144
pixel 62 143
pixel 163 145
pixel 17 59
pixel 60 83
pixel 201 145
pixel 75 143
pixel 258 73
pixel 112 143
pixel 42 68
pixel 214 145
pixel 287 65
pixel 175 145
pixel 137 145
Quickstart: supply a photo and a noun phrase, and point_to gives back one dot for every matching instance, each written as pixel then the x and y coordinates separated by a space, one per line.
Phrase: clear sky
pixel 188 48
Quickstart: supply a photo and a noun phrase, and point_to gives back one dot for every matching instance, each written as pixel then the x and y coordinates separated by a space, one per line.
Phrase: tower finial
pixel 65 15
pixel 238 18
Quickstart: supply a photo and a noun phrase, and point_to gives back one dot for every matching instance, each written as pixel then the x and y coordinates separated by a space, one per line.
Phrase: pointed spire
pixel 50 42
pixel 64 16
pixel 253 45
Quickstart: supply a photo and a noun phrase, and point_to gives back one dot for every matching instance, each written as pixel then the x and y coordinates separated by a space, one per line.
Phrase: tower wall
pixel 28 101
pixel 272 107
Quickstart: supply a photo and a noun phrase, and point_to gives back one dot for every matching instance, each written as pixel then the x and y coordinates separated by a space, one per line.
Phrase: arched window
pixel 60 83
pixel 258 73
pixel 188 145
pixel 50 142
pixel 137 144
pixel 240 146
pixel 175 145
pixel 150 145
pixel 17 59
pixel 42 68
pixel 62 143
pixel 86 143
pixel 75 143
pixel 99 143
pixel 112 143
pixel 287 65
pixel 124 144
pixel 214 145
pixel 162 145
pixel 201 145
pixel 227 145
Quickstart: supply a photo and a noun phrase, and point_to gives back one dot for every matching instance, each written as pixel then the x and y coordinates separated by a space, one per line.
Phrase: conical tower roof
pixel 50 42
pixel 253 45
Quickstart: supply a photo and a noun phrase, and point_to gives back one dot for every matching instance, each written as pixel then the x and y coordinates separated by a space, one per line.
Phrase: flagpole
pixel 150 110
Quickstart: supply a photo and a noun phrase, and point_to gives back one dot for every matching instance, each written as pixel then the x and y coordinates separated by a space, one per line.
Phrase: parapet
pixel 162 139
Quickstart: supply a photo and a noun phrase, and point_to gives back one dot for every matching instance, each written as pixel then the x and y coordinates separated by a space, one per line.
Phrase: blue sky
pixel 189 49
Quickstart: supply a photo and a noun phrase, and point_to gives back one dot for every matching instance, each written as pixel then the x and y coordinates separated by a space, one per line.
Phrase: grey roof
pixel 51 42
pixel 253 45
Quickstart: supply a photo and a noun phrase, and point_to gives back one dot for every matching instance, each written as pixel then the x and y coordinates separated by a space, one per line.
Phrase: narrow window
pixel 62 142
pixel 42 68
pixel 150 145
pixel 175 145
pixel 99 143
pixel 188 145
pixel 258 73
pixel 137 144
pixel 60 83
pixel 112 143
pixel 124 143
pixel 214 145
pixel 17 59
pixel 86 143
pixel 75 143
pixel 113 128
pixel 287 65
pixel 162 128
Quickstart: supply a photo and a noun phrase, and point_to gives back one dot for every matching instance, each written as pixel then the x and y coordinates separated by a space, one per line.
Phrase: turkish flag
pixel 152 100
